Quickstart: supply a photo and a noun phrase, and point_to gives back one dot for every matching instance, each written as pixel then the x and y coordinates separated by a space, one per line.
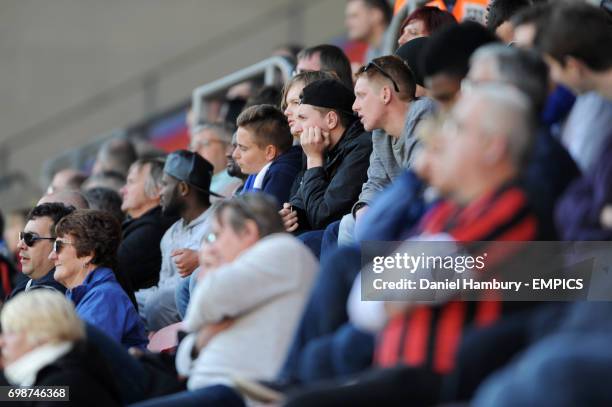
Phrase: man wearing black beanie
pixel 337 150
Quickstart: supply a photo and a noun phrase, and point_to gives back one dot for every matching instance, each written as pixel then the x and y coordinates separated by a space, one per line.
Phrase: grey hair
pixel 223 130
pixel 507 111
pixel 153 182
pixel 524 69
pixel 257 206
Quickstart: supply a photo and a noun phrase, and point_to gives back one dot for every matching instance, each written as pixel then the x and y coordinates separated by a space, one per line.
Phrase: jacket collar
pixel 200 219
pixel 47 281
pixel 95 278
pixel 156 211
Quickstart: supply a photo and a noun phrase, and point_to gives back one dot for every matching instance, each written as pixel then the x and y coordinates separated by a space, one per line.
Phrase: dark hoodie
pixel 327 193
pixel 139 255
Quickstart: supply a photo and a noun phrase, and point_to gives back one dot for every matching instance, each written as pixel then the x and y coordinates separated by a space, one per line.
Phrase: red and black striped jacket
pixel 429 336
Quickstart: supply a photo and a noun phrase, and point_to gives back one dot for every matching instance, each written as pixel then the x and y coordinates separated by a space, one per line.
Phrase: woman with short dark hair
pixel 85 254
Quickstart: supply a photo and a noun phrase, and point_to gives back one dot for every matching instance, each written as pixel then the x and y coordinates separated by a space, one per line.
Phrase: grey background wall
pixel 71 70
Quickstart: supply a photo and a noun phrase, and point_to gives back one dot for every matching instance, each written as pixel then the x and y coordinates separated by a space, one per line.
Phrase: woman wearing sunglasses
pixel 84 254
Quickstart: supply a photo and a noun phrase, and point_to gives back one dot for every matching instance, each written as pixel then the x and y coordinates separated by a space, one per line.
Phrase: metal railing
pixel 267 67
pixel 145 83
pixel 79 157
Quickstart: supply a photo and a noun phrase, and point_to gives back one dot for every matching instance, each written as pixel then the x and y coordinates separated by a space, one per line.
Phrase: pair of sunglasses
pixel 30 238
pixel 58 246
pixel 374 65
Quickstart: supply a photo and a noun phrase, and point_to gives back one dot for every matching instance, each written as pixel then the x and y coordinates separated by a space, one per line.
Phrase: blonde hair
pixel 44 316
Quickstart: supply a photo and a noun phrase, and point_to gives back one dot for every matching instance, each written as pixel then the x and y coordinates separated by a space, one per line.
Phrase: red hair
pixel 432 17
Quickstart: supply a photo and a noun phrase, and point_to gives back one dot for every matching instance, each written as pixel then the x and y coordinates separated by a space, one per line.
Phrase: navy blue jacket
pixel 46 282
pixel 280 175
pixel 102 302
pixel 578 212
pixel 395 211
pixel 549 172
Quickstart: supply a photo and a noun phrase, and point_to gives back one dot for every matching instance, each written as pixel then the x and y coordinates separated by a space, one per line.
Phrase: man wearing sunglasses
pixel 35 245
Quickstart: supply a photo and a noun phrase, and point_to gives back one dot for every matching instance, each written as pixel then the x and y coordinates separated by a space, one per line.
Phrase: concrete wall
pixel 71 70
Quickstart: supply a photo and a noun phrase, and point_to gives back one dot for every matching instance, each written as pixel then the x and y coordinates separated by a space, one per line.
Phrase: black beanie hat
pixel 330 94
pixel 411 53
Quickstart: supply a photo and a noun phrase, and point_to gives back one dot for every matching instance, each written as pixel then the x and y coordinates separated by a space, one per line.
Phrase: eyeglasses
pixel 30 238
pixel 299 71
pixel 374 65
pixel 205 143
pixel 210 238
pixel 58 246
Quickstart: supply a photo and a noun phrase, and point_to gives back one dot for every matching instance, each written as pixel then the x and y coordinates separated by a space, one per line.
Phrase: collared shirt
pixel 258 184
pixel 181 236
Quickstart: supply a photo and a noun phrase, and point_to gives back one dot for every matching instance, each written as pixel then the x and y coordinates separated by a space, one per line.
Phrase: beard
pixel 233 169
pixel 174 206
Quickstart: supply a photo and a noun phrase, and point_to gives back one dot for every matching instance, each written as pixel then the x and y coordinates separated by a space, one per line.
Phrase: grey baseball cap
pixel 191 168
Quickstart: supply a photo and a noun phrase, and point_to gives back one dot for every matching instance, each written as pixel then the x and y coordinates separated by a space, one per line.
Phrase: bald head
pixel 67 179
pixel 116 154
pixel 68 198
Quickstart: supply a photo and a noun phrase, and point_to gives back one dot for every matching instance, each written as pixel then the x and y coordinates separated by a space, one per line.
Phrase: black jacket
pixel 327 193
pixel 46 282
pixel 87 375
pixel 139 255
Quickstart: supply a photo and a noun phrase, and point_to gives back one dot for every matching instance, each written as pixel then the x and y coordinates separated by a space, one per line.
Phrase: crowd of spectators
pixel 230 273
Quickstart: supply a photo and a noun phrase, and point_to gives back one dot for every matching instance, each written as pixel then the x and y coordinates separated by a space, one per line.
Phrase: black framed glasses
pixel 374 65
pixel 30 238
pixel 58 246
